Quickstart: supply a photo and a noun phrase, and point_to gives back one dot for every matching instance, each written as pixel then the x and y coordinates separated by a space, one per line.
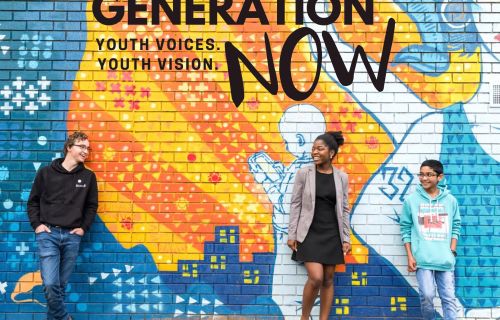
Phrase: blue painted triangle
pixel 487 200
pixel 485 160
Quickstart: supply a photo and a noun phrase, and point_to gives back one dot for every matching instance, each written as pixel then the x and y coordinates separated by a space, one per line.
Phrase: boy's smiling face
pixel 429 178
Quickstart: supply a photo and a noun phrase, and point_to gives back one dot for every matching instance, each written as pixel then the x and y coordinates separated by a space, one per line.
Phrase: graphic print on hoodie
pixel 433 222
pixel 429 225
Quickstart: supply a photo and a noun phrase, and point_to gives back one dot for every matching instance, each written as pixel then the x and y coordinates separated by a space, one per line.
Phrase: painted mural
pixel 195 192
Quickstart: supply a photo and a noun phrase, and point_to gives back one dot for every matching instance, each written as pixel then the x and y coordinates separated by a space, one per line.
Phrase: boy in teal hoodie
pixel 430 227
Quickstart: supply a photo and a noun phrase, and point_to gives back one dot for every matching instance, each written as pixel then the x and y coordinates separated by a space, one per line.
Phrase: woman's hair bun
pixel 337 135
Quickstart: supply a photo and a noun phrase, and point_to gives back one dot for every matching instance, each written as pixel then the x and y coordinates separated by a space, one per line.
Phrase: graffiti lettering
pixel 404 180
pixel 234 56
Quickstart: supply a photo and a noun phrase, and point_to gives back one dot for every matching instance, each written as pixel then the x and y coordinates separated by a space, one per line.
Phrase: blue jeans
pixel 58 251
pixel 445 281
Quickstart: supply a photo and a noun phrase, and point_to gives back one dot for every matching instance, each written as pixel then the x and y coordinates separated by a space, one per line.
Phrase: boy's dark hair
pixel 77 135
pixel 333 139
pixel 434 165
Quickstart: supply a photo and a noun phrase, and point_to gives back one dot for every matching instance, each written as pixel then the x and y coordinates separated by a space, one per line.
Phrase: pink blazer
pixel 303 201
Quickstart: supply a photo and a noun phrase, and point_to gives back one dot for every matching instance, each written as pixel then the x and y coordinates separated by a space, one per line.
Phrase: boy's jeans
pixel 58 251
pixel 445 281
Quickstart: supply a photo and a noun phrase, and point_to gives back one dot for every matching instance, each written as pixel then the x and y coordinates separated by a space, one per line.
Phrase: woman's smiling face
pixel 320 152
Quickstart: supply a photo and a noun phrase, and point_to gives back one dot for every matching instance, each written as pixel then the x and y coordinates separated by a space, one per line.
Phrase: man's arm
pixel 34 202
pixel 91 204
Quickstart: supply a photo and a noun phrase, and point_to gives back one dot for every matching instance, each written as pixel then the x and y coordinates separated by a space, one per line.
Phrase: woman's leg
pixel 326 292
pixel 311 288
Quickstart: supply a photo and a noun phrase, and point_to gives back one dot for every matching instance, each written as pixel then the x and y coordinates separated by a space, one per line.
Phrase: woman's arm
pixel 346 210
pixel 296 204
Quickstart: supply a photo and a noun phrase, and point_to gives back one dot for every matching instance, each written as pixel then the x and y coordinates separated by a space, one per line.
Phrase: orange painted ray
pixel 257 223
pixel 143 191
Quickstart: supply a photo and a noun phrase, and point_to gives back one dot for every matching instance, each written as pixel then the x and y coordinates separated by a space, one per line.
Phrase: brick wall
pixel 194 191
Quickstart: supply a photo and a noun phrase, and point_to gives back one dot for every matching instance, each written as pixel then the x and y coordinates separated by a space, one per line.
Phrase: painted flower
pixel 215 177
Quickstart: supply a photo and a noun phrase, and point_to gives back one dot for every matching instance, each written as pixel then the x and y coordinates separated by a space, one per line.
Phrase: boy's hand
pixel 412 264
pixel 292 244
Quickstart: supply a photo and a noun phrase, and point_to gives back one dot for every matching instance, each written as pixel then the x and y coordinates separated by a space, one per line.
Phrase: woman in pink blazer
pixel 318 231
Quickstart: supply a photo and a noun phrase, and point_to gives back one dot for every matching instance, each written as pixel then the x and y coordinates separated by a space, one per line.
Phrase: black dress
pixel 322 243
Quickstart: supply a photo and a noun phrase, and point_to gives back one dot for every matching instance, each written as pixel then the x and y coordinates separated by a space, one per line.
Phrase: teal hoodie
pixel 429 225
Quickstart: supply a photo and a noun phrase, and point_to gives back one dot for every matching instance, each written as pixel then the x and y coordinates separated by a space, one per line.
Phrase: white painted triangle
pixel 5 49
pixel 92 280
pixel 128 268
pixel 116 272
pixel 131 308
pixel 204 302
pixel 131 281
pixel 156 293
pixel 202 312
pixel 131 294
pixel 145 293
pixel 178 312
pixel 179 299
pixel 218 303
pixel 104 275
pixel 192 300
pixel 118 308
pixel 191 312
pixel 118 295
pixel 144 307
pixel 155 280
pixel 2 36
pixel 118 282
pixel 37 165
pixel 143 280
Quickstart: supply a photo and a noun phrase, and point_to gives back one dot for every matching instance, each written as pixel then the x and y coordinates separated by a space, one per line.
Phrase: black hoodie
pixel 63 198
